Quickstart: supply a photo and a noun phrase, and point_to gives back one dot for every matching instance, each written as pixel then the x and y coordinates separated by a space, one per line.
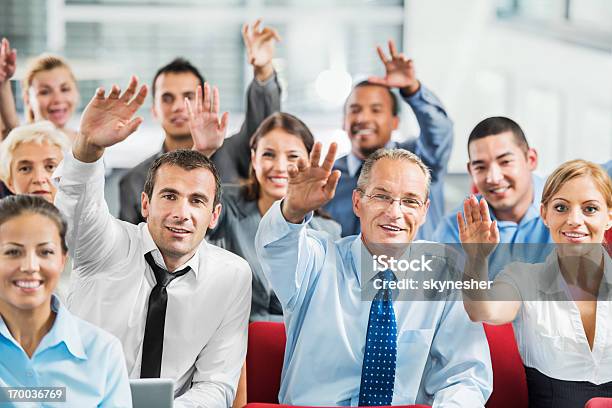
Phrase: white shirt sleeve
pixel 95 238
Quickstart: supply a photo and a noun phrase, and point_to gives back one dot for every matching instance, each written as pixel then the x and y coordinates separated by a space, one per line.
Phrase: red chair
pixel 264 361
pixel 509 382
pixel 599 403
pixel 266 349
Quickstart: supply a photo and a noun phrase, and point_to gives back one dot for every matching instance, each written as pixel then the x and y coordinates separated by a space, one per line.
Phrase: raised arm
pixel 479 236
pixel 95 237
pixel 262 99
pixel 289 253
pixel 8 65
pixel 435 142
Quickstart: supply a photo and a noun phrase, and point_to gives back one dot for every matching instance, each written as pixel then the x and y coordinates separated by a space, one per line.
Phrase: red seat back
pixel 599 403
pixel 509 382
pixel 264 361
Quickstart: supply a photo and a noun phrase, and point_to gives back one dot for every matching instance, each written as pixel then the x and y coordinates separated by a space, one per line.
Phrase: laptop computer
pixel 152 393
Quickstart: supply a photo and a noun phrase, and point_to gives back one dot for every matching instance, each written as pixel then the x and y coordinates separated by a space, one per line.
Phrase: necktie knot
pixel 162 276
pixel 385 293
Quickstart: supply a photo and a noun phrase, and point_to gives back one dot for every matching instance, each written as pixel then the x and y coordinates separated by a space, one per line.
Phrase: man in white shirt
pixel 188 324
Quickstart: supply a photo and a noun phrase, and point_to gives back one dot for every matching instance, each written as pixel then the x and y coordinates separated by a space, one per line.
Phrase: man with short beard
pixel 370 116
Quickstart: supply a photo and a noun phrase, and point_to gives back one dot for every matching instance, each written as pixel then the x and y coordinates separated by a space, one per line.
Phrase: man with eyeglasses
pixel 343 347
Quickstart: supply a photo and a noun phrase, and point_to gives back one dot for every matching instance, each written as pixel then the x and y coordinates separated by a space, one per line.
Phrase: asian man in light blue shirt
pixel 343 349
pixel 501 164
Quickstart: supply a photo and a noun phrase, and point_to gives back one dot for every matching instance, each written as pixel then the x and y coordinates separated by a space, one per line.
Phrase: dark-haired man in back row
pixel 178 80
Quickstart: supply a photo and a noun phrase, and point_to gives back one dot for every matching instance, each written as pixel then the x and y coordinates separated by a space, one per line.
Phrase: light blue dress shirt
pixel 530 230
pixel 74 354
pixel 442 358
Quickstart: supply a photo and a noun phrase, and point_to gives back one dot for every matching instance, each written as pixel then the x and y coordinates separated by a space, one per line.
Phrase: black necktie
pixel 153 343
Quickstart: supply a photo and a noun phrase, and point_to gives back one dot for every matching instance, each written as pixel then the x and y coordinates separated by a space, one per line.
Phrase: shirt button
pixel 29 373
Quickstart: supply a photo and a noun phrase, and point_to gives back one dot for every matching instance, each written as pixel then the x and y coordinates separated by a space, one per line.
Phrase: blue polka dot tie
pixel 378 371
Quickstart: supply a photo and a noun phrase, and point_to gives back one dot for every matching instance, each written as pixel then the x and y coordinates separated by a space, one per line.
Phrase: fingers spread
pixel 207 105
pixel 381 55
pixel 99 93
pixel 215 100
pixel 315 155
pixel 198 101
pixel 130 90
pixel 140 97
pixel 114 93
pixel 224 121
pixel 392 49
pixel 467 211
pixel 328 163
pixel 332 183
pixel 461 223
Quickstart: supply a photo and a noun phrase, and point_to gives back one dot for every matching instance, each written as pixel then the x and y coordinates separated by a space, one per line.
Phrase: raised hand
pixel 107 120
pixel 310 185
pixel 260 44
pixel 207 130
pixel 399 71
pixel 478 234
pixel 8 61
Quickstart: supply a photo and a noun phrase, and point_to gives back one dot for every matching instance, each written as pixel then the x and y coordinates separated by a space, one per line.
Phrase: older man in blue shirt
pixel 501 164
pixel 371 115
pixel 343 349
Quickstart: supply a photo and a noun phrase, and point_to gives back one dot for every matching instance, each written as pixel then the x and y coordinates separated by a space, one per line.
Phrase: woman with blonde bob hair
pixel 29 156
pixel 41 342
pixel 561 309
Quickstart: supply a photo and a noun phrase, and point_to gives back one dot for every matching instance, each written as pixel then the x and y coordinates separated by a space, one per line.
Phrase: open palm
pixel 207 129
pixel 259 43
pixel 478 234
pixel 108 120
pixel 8 61
pixel 311 185
pixel 399 70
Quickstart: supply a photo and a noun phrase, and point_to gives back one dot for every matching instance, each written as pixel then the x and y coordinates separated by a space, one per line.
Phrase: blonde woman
pixel 560 309
pixel 49 90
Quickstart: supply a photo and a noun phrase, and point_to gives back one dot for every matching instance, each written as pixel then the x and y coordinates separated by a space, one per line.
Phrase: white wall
pixel 560 94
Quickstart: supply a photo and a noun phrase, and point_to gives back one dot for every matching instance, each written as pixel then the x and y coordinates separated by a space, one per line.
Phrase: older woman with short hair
pixel 28 157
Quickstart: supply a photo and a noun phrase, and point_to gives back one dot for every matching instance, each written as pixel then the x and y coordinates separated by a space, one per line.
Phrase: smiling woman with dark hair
pixel 42 344
pixel 279 142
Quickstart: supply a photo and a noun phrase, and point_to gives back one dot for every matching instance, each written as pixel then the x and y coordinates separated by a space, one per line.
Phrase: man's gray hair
pixel 391 154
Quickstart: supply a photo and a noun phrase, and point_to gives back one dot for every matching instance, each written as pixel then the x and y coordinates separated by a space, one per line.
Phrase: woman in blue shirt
pixel 41 343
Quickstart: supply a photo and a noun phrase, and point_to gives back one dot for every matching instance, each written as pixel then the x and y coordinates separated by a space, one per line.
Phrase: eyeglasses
pixel 406 203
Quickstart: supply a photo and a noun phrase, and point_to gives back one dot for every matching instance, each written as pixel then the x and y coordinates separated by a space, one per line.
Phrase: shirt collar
pixel 365 267
pixel 553 282
pixel 534 208
pixel 354 162
pixel 64 330
pixel 148 245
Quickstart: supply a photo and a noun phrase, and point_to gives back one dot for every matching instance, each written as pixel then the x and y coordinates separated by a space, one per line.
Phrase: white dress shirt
pixel 205 334
pixel 548 328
